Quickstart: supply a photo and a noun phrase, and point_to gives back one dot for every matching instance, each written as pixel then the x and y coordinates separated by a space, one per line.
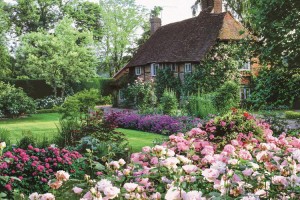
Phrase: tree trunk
pixel 55 91
pixel 62 94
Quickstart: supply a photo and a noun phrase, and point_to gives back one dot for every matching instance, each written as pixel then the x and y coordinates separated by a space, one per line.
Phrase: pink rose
pixel 146 149
pixel 247 172
pixel 174 193
pixel 47 196
pixel 77 190
pixel 111 192
pixel 190 168
pixel 62 175
pixel 244 154
pixel 192 195
pixel 211 174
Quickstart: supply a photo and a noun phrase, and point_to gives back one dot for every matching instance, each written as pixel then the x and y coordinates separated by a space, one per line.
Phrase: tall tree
pixel 87 16
pixel 121 19
pixel 4 54
pixel 60 58
pixel 278 25
pixel 30 15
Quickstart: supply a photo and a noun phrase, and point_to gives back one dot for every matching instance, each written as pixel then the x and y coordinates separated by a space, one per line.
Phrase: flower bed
pixel 162 124
pixel 193 166
pixel 34 167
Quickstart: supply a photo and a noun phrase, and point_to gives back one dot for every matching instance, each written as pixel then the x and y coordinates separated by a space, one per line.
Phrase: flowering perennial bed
pixel 192 166
pixel 35 167
pixel 162 124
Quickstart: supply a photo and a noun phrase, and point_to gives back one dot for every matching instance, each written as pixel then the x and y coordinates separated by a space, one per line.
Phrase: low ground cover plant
pixel 192 166
pixel 162 124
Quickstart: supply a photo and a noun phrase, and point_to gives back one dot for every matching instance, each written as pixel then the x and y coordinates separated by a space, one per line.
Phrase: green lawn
pixel 39 124
pixel 42 125
pixel 139 139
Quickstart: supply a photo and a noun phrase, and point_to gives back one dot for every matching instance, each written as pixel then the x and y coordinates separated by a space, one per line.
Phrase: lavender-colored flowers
pixel 162 124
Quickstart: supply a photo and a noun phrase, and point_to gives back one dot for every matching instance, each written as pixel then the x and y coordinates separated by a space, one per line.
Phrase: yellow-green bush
pixel 292 115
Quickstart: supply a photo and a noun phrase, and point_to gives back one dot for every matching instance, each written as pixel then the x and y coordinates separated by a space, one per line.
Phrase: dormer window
pixel 138 71
pixel 246 66
pixel 187 67
pixel 154 68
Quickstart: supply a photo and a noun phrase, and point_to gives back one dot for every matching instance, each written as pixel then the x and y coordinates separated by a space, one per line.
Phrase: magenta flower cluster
pixel 35 166
pixel 162 124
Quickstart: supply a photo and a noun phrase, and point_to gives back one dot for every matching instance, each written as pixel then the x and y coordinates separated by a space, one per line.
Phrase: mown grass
pixel 139 139
pixel 40 125
pixel 44 125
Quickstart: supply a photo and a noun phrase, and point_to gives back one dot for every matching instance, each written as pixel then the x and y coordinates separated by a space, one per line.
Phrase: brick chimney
pixel 211 6
pixel 217 6
pixel 155 24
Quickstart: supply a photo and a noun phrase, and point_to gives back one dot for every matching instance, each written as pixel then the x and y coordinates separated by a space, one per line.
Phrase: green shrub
pixel 169 102
pixel 28 138
pixel 14 102
pixel 201 105
pixel 165 79
pixel 227 97
pixel 68 133
pixel 140 94
pixel 292 115
pixel 80 104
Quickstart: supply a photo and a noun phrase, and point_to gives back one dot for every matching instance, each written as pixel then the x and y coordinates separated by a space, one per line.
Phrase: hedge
pixel 38 89
pixel 292 115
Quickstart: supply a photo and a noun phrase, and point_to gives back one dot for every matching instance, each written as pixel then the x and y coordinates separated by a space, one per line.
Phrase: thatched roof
pixel 188 40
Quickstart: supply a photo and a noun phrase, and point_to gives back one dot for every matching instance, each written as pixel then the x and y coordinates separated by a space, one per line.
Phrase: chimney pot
pixel 155 24
pixel 218 6
pixel 209 6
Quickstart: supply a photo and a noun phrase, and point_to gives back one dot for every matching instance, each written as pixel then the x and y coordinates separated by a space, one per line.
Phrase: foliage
pixel 35 166
pixel 162 124
pixel 201 105
pixel 61 58
pixel 49 102
pixel 121 19
pixel 169 102
pixel 155 12
pixel 87 16
pixel 165 79
pixel 79 105
pixel 278 31
pixel 274 87
pixel 5 58
pixel 227 96
pixel 105 150
pixel 292 115
pixel 141 94
pixel 221 64
pixel 14 102
pixel 30 15
pixel 224 128
pixel 188 166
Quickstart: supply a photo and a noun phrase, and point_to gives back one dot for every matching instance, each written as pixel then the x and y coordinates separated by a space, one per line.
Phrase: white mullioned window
pixel 246 66
pixel 187 67
pixel 245 92
pixel 138 71
pixel 174 67
pixel 154 68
